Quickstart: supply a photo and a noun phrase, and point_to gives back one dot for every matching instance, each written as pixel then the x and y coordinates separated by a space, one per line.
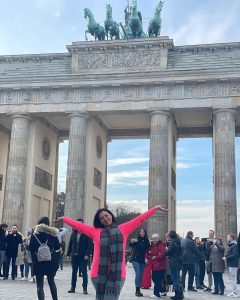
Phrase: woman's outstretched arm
pixel 79 226
pixel 130 226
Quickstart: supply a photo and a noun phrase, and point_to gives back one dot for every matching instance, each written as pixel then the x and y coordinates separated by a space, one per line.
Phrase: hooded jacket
pixel 174 253
pixel 47 235
pixel 232 255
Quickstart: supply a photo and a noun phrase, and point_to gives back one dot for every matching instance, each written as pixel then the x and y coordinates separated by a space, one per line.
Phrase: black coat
pixel 82 248
pixel 138 249
pixel 12 242
pixel 174 253
pixel 190 251
pixel 232 256
pixel 2 239
pixel 45 234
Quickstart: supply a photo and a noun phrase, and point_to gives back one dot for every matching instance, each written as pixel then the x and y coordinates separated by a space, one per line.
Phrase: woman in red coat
pixel 156 256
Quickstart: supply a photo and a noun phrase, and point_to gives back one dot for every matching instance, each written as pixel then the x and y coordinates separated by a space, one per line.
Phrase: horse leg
pixel 86 31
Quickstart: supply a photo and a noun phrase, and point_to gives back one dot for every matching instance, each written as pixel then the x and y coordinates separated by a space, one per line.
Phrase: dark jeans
pixel 61 262
pixel 14 267
pixel 158 278
pixel 190 268
pixel 175 279
pixel 81 264
pixel 202 272
pixel 51 283
pixel 218 282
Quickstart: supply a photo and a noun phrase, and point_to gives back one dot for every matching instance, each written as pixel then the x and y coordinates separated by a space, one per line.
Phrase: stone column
pixel 13 207
pixel 159 170
pixel 76 167
pixel 224 172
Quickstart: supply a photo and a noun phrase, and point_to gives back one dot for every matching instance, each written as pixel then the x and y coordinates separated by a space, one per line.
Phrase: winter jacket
pixel 190 251
pixel 174 253
pixel 45 234
pixel 217 253
pixel 81 248
pixel 232 257
pixel 139 249
pixel 158 251
pixel 2 239
pixel 12 243
pixel 207 249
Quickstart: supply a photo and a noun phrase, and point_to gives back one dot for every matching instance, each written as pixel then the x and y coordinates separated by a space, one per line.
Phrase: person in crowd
pixel 156 255
pixel 20 259
pixel 199 265
pixel 62 231
pixel 218 266
pixel 190 256
pixel 44 234
pixel 62 253
pixel 3 234
pixel 13 240
pixel 174 253
pixel 108 270
pixel 207 248
pixel 139 247
pixel 232 259
pixel 79 249
pixel 27 258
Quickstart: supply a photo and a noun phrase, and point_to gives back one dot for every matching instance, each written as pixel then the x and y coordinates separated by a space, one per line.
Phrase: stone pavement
pixel 19 290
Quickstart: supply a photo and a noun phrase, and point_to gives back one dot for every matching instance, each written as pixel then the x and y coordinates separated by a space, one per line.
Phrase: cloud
pixel 127 161
pixel 136 177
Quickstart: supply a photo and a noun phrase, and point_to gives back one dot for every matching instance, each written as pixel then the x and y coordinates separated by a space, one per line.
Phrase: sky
pixel 47 26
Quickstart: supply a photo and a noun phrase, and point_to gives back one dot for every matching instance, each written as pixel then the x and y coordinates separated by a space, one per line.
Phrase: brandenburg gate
pixel 97 91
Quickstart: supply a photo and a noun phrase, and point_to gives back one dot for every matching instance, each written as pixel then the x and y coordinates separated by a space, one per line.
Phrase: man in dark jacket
pixel 79 249
pixel 3 234
pixel 13 239
pixel 207 249
pixel 232 258
pixel 190 255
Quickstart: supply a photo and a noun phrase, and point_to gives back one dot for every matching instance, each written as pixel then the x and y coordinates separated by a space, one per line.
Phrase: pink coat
pixel 95 233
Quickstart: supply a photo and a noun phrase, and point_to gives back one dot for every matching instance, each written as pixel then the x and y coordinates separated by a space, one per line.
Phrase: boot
pixel 138 293
pixel 72 290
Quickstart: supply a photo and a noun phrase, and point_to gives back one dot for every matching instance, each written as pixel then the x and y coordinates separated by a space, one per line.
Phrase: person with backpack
pixel 45 252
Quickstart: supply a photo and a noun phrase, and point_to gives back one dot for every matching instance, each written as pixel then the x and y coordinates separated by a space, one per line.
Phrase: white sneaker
pixel 154 296
pixel 232 295
pixel 32 280
pixel 24 278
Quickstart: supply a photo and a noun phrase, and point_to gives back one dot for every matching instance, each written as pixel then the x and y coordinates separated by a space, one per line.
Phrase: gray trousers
pixel 210 280
pixel 108 297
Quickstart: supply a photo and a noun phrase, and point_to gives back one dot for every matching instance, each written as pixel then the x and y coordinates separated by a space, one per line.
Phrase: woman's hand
pixel 60 219
pixel 162 207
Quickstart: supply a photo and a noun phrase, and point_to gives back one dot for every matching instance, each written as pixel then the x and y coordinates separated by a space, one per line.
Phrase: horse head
pixel 109 10
pixel 87 13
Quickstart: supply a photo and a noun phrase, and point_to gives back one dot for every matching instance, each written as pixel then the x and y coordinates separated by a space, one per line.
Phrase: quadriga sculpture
pixel 154 27
pixel 94 28
pixel 111 27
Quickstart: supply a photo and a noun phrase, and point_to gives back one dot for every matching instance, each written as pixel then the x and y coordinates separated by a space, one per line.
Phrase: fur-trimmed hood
pixel 46 229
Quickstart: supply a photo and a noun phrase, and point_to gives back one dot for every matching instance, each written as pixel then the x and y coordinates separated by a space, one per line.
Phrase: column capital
pixel 166 112
pixel 82 114
pixel 222 110
pixel 19 115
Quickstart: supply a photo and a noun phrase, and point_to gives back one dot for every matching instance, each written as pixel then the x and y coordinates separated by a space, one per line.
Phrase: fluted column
pixel 13 206
pixel 224 172
pixel 159 170
pixel 76 166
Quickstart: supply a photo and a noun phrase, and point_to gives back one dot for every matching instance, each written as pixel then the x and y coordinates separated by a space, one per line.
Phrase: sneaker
pixel 192 289
pixel 71 291
pixel 163 294
pixel 154 296
pixel 24 278
pixel 32 280
pixel 85 292
pixel 207 290
pixel 232 295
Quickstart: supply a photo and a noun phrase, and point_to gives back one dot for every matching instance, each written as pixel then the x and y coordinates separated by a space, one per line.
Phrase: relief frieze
pixel 119 60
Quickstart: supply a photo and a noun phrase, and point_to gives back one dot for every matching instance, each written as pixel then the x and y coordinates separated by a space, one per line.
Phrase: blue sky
pixel 42 26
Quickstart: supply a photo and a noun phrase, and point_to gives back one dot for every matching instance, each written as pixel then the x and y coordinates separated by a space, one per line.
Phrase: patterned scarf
pixel 110 263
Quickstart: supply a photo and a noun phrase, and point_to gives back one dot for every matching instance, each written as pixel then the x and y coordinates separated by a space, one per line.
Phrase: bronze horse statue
pixel 154 27
pixel 94 28
pixel 111 27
